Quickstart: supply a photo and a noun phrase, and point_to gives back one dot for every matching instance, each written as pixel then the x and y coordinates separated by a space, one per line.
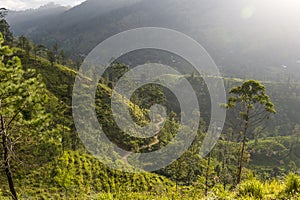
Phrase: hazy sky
pixel 26 4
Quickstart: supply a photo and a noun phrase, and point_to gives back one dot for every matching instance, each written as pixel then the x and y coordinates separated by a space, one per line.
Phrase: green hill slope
pixel 66 170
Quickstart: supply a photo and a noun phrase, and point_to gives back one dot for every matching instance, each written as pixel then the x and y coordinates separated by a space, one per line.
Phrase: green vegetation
pixel 4 26
pixel 253 107
pixel 43 158
pixel 22 110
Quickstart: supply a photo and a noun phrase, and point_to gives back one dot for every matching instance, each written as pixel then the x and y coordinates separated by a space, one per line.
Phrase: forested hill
pixel 58 166
pixel 53 163
pixel 256 156
pixel 240 36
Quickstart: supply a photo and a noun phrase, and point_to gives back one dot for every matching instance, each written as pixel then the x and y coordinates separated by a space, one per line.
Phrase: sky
pixel 26 4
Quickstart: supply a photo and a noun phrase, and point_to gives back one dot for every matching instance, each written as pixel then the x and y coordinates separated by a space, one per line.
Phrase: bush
pixel 251 188
pixel 221 193
pixel 273 189
pixel 292 184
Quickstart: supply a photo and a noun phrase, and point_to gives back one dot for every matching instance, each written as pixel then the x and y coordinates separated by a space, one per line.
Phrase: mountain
pixel 28 21
pixel 245 38
pixel 57 166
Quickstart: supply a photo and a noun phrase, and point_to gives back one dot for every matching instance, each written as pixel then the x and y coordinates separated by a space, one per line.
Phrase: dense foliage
pixel 49 161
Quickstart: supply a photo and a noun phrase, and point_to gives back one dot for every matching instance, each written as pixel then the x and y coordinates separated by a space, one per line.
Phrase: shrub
pixel 292 184
pixel 251 188
pixel 273 189
pixel 221 193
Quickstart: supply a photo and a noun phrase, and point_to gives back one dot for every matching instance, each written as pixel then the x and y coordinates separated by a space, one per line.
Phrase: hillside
pixel 48 152
pixel 239 36
pixel 29 21
pixel 68 170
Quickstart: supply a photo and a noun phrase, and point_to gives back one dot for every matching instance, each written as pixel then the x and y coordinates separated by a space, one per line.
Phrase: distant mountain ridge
pixel 244 37
pixel 28 21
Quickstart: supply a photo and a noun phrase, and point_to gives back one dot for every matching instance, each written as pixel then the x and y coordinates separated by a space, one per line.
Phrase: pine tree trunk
pixel 242 152
pixel 6 162
pixel 7 169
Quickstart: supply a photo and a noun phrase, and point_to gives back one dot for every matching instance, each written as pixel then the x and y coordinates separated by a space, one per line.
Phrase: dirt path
pixel 154 142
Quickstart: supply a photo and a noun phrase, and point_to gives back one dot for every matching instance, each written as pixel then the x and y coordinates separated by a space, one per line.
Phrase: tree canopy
pixel 253 105
pixel 22 107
